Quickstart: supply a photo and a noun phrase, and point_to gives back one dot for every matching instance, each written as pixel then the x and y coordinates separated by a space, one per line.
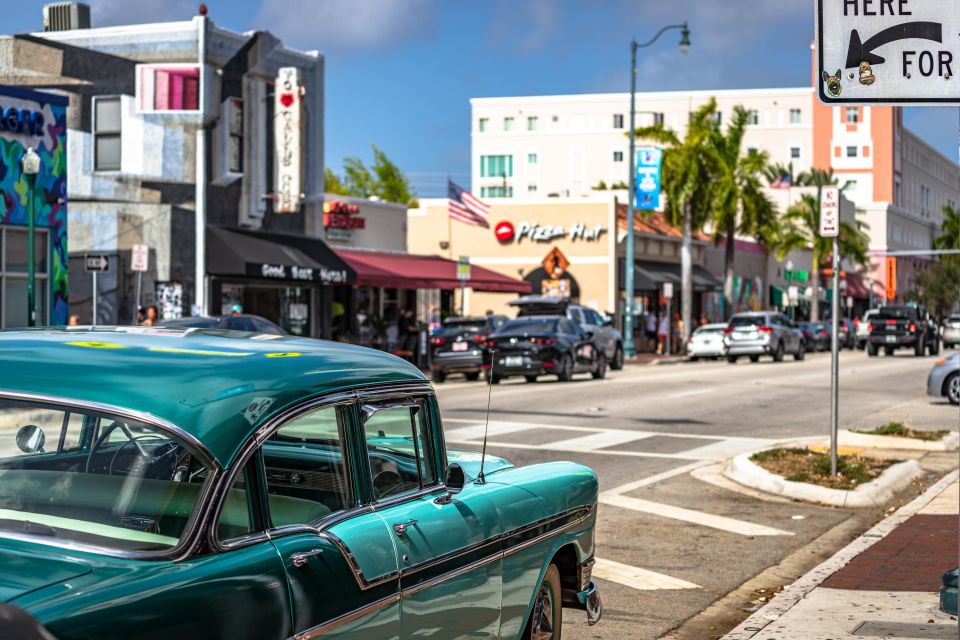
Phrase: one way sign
pixel 888 51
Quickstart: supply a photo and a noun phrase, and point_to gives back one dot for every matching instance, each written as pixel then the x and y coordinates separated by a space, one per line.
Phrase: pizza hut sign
pixel 288 111
pixel 537 232
pixel 342 215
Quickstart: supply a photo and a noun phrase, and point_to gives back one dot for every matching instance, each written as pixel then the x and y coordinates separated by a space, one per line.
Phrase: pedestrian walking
pixel 677 333
pixel 651 332
pixel 663 333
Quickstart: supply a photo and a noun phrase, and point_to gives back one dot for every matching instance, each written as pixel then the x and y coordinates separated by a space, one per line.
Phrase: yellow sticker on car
pixel 284 354
pixel 93 344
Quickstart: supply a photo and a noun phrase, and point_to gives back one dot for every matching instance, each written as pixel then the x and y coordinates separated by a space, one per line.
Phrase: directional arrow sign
pixel 96 262
pixel 888 51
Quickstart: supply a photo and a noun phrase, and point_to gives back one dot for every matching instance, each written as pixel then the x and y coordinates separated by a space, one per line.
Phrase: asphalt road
pixel 671 542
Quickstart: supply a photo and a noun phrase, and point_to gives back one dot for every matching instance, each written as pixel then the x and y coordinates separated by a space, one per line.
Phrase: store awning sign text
pixel 293 272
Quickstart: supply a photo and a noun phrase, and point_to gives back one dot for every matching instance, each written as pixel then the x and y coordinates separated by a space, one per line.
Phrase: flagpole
pixel 449 223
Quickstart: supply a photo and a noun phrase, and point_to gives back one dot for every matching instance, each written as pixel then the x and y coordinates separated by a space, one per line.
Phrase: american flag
pixel 466 207
pixel 783 182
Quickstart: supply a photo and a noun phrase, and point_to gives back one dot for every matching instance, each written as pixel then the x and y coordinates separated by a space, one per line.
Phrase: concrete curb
pixel 792 594
pixel 853 439
pixel 872 494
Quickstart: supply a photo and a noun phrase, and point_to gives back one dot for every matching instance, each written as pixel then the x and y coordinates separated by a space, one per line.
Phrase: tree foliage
pixel 950 230
pixel 383 180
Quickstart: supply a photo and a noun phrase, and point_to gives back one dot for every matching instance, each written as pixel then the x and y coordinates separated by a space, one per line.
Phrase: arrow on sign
pixel 863 51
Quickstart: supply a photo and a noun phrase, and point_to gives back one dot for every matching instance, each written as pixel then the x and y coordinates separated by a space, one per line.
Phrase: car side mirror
pixel 453 479
pixel 30 438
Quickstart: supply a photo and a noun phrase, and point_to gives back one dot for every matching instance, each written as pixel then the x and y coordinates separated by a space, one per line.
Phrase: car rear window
pixel 900 313
pixel 458 327
pixel 703 330
pixel 533 325
pixel 542 309
pixel 746 321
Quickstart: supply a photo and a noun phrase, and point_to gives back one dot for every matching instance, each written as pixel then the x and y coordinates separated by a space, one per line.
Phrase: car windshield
pixel 531 326
pixel 94 478
pixel 746 321
pixel 191 323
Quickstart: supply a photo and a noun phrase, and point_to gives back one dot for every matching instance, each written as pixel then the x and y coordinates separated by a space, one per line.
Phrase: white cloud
pixel 525 27
pixel 106 13
pixel 346 24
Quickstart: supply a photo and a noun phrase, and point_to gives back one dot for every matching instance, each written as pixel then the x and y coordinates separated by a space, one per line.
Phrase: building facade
pixel 37 120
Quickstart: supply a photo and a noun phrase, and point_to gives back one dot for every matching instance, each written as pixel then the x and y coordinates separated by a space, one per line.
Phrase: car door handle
pixel 302 558
pixel 401 527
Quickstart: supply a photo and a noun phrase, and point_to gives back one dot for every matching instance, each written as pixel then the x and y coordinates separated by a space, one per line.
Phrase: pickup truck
pixel 898 327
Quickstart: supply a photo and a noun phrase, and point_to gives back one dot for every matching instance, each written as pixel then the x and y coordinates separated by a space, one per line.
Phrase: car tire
pixel 530 378
pixel 935 348
pixel 951 388
pixel 754 358
pixel 871 350
pixel 617 363
pixel 888 351
pixel 473 376
pixel 546 616
pixel 438 376
pixel 600 372
pixel 732 359
pixel 778 354
pixel 495 379
pixel 801 354
pixel 694 358
pixel 918 349
pixel 565 372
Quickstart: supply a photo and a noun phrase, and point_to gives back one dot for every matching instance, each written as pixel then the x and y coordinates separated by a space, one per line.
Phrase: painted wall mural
pixel 39 120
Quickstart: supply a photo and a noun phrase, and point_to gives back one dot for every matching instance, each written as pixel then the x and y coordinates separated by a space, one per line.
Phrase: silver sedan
pixel 944 379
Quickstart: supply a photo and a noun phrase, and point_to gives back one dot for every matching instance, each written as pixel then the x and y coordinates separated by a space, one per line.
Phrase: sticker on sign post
pixel 830 212
pixel 888 51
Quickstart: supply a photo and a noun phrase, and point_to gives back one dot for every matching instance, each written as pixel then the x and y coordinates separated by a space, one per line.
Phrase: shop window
pixel 532 123
pixel 168 87
pixel 13 276
pixel 496 166
pixel 106 133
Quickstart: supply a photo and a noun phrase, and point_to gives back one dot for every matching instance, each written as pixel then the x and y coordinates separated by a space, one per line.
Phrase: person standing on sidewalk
pixel 663 333
pixel 651 331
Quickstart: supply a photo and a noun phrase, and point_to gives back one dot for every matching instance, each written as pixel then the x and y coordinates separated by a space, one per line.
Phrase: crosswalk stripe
pixel 637 578
pixel 491 444
pixel 688 515
pixel 727 448
pixel 598 440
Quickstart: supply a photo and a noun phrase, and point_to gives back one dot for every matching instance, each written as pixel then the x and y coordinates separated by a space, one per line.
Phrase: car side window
pixel 567 327
pixel 576 315
pixel 592 317
pixel 399 449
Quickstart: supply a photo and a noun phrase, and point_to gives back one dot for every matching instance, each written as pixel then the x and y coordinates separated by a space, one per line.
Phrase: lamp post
pixel 628 346
pixel 30 165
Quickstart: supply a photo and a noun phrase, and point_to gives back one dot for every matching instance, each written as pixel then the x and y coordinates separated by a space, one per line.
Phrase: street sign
pixel 140 256
pixel 888 51
pixel 668 290
pixel 648 178
pixel 95 262
pixel 891 280
pixel 830 212
pixel 463 268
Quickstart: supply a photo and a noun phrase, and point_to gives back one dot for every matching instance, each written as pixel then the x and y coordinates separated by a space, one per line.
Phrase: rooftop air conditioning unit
pixel 65 16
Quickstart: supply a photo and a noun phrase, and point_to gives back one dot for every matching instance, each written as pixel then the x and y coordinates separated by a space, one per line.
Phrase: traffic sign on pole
pixel 94 262
pixel 888 51
pixel 139 257
pixel 830 212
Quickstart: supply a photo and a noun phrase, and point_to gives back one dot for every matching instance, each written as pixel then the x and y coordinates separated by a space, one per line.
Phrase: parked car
pixel 762 333
pixel 537 345
pixel 706 342
pixel 191 484
pixel 951 331
pixel 237 322
pixel 819 336
pixel 863 329
pixel 458 346
pixel 606 336
pixel 847 335
pixel 903 326
pixel 944 379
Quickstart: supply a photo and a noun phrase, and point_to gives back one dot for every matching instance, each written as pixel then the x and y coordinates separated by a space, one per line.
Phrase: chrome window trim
pixel 330 625
pixel 362 581
pixel 192 532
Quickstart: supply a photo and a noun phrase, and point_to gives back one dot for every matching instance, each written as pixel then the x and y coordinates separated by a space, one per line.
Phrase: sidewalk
pixel 654 358
pixel 884 584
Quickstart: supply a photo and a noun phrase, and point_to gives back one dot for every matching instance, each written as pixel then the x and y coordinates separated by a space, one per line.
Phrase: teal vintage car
pixel 160 483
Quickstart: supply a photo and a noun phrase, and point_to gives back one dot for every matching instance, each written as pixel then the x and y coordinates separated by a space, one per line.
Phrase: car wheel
pixel 952 386
pixel 495 379
pixel 617 363
pixel 601 371
pixel 935 348
pixel 546 618
pixel 778 354
pixel 694 358
pixel 530 378
pixel 732 359
pixel 888 351
pixel 473 376
pixel 565 374
pixel 438 375
pixel 801 354
pixel 754 358
pixel 871 350
pixel 919 348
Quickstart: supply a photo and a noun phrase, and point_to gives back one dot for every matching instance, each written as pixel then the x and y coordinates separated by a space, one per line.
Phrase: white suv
pixel 762 333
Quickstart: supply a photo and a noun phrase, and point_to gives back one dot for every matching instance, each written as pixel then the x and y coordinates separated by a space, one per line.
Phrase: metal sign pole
pixel 95 299
pixel 136 298
pixel 834 355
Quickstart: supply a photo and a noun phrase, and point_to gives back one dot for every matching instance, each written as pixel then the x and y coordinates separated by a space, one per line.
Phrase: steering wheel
pixel 135 441
pixel 387 483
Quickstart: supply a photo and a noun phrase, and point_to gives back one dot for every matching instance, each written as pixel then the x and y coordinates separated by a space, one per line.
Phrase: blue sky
pixel 400 73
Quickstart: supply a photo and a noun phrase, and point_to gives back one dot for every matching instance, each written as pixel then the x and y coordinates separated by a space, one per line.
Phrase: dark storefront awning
pixel 651 276
pixel 238 253
pixel 407 271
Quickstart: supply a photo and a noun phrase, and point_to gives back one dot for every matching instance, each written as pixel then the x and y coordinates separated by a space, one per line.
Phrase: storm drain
pixel 907 630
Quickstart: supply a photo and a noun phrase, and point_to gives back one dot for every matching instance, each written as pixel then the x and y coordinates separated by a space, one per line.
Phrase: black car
pixel 606 336
pixel 906 326
pixel 815 336
pixel 458 347
pixel 236 322
pixel 538 345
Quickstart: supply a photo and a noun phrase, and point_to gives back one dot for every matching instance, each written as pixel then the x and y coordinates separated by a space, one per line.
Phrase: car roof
pixel 200 380
pixel 712 325
pixel 538 299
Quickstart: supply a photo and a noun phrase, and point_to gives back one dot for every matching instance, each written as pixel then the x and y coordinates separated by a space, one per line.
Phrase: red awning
pixel 407 271
pixel 855 286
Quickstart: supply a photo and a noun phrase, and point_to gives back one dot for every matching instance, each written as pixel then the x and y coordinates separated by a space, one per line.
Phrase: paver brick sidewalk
pixel 882 585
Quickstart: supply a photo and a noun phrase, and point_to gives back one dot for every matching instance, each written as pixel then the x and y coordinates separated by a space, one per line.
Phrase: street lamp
pixel 30 165
pixel 628 345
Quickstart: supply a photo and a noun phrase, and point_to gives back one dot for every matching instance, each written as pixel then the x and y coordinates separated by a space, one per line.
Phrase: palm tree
pixel 688 169
pixel 739 206
pixel 801 230
pixel 950 239
pixel 779 171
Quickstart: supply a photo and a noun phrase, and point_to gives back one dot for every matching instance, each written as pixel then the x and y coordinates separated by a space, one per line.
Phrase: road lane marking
pixel 660 477
pixel 688 515
pixel 476 431
pixel 550 447
pixel 599 440
pixel 645 432
pixel 728 448
pixel 637 578
pixel 692 392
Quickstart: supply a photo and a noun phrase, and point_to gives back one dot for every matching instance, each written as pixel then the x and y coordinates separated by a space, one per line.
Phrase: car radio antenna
pixel 486 424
